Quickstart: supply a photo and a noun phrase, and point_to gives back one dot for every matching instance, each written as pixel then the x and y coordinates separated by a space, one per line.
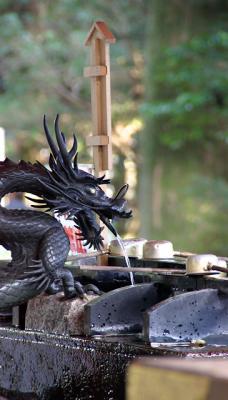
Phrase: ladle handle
pixel 217 268
pixel 186 254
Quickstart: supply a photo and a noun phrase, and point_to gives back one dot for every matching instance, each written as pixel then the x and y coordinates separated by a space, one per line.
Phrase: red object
pixel 76 245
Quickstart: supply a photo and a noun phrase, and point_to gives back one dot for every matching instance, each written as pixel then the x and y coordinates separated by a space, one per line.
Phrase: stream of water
pixel 127 261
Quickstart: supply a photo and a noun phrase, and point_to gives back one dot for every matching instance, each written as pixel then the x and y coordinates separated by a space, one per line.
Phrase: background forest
pixel 169 71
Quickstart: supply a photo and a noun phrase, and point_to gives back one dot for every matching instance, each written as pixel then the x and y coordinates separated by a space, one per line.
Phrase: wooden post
pixel 99 39
pixel 2 153
pixel 2 144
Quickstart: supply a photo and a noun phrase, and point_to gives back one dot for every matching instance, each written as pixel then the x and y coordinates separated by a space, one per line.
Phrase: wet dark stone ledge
pixel 44 366
pixel 39 366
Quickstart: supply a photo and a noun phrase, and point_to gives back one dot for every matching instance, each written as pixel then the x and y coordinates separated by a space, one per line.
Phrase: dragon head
pixel 78 194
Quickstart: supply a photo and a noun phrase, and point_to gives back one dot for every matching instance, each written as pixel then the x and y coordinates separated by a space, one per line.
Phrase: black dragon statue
pixel 38 243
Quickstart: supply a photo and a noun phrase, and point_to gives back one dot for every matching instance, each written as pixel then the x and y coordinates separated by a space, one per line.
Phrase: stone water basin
pixel 38 366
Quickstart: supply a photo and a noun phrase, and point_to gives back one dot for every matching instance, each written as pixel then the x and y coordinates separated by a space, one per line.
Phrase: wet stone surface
pixel 38 366
pixel 121 310
pixel 51 367
pixel 188 316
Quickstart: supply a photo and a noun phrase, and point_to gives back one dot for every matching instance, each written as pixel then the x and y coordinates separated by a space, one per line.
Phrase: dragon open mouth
pixel 86 221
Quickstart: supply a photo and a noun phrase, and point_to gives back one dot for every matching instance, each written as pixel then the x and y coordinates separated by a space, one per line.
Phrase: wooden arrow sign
pixel 99 39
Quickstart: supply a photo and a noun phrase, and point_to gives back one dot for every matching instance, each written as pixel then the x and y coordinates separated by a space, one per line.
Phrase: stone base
pixel 40 366
pixel 55 314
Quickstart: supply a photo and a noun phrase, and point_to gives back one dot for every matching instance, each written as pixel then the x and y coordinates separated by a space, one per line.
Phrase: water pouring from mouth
pixel 127 261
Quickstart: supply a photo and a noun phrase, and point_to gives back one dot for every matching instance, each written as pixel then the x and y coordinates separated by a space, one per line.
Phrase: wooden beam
pixel 98 70
pixel 2 144
pixel 143 270
pixel 175 379
pixel 99 140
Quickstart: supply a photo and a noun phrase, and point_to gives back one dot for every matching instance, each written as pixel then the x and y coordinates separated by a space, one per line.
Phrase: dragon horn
pixel 73 151
pixel 62 148
pixel 102 181
pixel 76 163
pixel 74 154
pixel 51 143
pixel 61 142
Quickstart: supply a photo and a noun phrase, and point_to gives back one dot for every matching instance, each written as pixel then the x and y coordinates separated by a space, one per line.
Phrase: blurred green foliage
pixel 169 74
pixel 194 77
pixel 184 170
pixel 42 56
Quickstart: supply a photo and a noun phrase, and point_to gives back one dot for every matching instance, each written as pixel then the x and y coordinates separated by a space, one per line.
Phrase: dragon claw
pixel 92 289
pixel 82 291
pixel 79 289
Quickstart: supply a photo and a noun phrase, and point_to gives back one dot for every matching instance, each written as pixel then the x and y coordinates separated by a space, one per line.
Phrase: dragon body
pixel 37 241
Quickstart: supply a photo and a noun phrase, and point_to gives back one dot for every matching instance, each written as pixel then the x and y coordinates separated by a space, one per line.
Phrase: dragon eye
pixel 91 190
